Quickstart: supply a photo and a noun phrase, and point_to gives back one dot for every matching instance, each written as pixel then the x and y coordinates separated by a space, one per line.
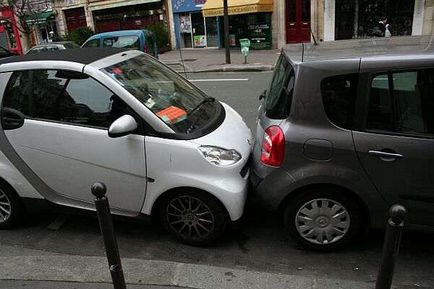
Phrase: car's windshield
pixel 174 100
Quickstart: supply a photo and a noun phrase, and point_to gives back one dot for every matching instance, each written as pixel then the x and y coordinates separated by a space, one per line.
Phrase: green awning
pixel 40 17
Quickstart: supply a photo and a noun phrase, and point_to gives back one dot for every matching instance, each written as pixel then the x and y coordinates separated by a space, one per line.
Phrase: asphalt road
pixel 239 90
pixel 260 245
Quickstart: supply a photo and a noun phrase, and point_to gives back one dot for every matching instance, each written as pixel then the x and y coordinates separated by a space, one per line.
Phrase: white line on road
pixel 218 79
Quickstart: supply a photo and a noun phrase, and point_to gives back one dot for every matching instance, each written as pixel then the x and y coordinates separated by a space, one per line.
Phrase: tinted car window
pixel 339 98
pixel 279 95
pixel 55 95
pixel 122 42
pixel 402 102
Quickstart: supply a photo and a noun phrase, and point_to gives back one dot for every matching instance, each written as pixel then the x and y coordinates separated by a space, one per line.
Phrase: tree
pixel 27 12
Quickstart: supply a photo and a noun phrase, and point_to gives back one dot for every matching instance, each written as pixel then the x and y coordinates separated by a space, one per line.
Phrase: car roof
pixel 360 48
pixel 118 33
pixel 53 43
pixel 78 55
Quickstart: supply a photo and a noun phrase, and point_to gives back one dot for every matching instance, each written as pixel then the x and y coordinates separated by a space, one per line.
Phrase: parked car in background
pixel 53 46
pixel 162 146
pixel 143 40
pixel 345 130
pixel 6 53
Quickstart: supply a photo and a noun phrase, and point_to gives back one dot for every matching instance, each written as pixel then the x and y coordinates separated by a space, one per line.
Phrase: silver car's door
pixel 64 140
pixel 396 141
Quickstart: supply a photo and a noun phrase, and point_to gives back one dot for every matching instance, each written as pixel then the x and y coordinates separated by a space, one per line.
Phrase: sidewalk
pixel 47 270
pixel 214 60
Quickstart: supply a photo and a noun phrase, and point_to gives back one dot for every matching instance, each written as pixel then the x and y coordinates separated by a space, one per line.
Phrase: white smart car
pixel 164 149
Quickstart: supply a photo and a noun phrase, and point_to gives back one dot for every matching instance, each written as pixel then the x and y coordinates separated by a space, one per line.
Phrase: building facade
pixel 328 20
pixel 9 33
pixel 109 15
pixel 192 30
pixel 199 23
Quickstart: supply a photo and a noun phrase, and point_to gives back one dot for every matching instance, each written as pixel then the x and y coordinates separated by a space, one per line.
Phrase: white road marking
pixel 218 79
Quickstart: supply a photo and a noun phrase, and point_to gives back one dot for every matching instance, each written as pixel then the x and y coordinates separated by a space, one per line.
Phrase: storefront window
pixel 258 29
pixel 197 31
pixel 211 32
pixel 360 18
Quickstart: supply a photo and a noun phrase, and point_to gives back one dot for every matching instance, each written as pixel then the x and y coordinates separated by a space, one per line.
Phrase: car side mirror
pixel 263 94
pixel 123 126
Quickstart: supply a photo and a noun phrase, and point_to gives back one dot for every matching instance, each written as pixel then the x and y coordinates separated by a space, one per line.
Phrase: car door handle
pixel 11 118
pixel 385 156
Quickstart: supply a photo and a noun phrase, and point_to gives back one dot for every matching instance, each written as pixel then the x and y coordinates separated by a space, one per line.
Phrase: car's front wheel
pixel 323 219
pixel 193 217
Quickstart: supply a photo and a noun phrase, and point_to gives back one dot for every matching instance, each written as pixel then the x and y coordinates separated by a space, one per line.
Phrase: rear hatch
pixel 274 109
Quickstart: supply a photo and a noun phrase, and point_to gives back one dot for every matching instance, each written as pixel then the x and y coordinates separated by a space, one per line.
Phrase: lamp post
pixel 226 28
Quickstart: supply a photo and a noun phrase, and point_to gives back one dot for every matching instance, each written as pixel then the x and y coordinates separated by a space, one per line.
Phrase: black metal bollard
pixel 392 241
pixel 106 225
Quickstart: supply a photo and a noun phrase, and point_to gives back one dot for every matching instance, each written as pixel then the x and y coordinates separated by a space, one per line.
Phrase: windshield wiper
pixel 205 100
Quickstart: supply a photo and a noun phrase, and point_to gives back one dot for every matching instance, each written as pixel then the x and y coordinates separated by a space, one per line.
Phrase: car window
pixel 402 102
pixel 63 96
pixel 339 98
pixel 279 95
pixel 122 42
pixel 52 48
pixel 174 100
pixel 70 45
pixel 92 43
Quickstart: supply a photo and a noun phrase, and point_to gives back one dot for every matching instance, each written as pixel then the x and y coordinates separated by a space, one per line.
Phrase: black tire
pixel 186 222
pixel 11 208
pixel 338 233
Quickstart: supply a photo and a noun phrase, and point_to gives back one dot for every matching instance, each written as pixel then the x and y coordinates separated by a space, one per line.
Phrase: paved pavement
pixel 51 270
pixel 213 60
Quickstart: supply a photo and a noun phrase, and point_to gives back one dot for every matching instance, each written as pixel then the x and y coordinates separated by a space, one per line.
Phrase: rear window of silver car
pixel 279 95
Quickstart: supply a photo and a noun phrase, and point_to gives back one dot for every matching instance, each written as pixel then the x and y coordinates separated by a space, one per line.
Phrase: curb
pixel 177 66
pixel 73 268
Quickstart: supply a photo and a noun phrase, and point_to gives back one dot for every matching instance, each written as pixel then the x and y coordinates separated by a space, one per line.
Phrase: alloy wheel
pixel 5 207
pixel 190 217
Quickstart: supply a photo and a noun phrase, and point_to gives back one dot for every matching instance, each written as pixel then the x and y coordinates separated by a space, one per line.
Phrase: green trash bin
pixel 245 48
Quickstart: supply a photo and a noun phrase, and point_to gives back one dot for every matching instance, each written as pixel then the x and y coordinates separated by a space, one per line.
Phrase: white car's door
pixel 64 139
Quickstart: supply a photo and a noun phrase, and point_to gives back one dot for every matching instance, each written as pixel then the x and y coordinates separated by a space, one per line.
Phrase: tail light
pixel 146 49
pixel 273 147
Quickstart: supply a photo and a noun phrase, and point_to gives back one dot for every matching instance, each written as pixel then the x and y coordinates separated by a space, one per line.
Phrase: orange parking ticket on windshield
pixel 172 114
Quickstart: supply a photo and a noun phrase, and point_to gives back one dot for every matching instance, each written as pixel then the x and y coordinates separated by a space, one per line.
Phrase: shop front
pixel 360 19
pixel 75 18
pixel 249 19
pixel 9 33
pixel 115 15
pixel 43 24
pixel 191 28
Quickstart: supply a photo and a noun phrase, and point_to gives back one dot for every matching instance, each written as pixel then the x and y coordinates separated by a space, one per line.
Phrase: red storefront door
pixel 297 21
pixel 75 18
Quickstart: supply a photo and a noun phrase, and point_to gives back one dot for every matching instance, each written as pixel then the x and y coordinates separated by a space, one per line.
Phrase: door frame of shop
pixel 298 30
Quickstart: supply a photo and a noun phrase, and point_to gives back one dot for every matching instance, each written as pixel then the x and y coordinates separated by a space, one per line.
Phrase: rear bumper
pixel 263 191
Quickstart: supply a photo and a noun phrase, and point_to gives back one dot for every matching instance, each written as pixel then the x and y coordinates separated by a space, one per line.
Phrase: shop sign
pixel 185 24
pixel 199 41
pixel 260 36
pixel 187 5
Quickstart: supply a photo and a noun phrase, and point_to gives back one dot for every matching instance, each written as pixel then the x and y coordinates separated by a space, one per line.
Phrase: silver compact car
pixel 163 148
pixel 345 130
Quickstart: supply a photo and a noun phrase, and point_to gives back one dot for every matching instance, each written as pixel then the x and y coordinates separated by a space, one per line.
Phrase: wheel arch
pixel 156 205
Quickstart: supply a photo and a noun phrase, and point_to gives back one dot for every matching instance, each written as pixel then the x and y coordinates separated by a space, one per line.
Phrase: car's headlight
pixel 220 156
